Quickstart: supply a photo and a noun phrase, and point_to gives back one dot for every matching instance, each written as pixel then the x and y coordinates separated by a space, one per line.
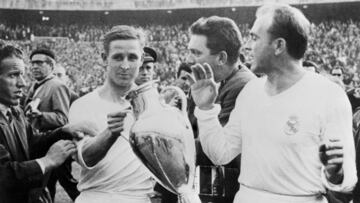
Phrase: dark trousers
pixel 66 180
pixel 337 197
pixel 225 181
pixel 166 196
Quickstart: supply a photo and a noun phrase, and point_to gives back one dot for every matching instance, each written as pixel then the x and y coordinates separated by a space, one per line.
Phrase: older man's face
pixel 40 66
pixel 11 81
pixel 259 45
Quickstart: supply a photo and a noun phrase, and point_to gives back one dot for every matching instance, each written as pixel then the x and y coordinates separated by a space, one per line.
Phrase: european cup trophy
pixel 163 140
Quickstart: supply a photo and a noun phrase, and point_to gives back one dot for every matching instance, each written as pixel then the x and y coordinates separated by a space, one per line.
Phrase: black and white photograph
pixel 179 101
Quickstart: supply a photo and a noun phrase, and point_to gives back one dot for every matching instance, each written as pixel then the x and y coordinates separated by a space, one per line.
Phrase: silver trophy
pixel 163 140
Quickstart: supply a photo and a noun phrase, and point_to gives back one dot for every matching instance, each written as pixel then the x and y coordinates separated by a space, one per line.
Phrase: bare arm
pixel 95 149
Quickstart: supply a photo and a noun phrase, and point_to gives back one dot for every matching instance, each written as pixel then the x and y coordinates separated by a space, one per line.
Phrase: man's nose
pixel 247 46
pixel 21 82
pixel 125 64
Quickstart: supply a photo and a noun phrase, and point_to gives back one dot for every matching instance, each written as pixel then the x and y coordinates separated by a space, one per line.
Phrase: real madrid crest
pixel 292 125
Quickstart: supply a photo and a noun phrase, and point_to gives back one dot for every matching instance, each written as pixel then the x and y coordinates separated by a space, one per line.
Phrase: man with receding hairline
pixel 26 158
pixel 292 127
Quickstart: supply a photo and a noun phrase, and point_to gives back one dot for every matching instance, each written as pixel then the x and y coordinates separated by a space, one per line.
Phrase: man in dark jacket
pixel 23 173
pixel 51 111
pixel 217 42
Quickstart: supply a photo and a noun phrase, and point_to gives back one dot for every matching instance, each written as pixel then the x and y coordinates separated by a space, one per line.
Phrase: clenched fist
pixel 331 156
pixel 116 121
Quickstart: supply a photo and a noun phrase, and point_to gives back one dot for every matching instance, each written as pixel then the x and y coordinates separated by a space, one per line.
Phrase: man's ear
pixel 104 57
pixel 222 58
pixel 279 45
pixel 52 63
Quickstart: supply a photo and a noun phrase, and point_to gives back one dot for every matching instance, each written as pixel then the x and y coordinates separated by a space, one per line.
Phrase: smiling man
pixel 110 171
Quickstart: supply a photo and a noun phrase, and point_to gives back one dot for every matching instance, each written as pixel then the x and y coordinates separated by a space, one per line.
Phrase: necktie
pixel 13 139
pixel 36 85
pixel 9 115
pixel 33 90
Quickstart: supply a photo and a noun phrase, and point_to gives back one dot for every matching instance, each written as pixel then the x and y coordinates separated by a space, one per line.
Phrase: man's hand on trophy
pixel 116 121
pixel 203 86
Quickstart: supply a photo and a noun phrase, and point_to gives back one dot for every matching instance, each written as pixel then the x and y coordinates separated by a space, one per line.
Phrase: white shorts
pixel 248 195
pixel 104 197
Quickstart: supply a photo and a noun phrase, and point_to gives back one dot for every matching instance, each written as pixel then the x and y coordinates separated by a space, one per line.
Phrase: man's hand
pixel 31 110
pixel 33 113
pixel 58 153
pixel 171 97
pixel 116 122
pixel 78 130
pixel 331 155
pixel 203 88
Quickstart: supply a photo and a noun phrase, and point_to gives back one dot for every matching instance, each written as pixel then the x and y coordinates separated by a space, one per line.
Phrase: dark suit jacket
pixel 19 172
pixel 230 89
pixel 54 104
pixel 228 92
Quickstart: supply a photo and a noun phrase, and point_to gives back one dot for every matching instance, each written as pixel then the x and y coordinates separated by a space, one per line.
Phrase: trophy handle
pixel 182 96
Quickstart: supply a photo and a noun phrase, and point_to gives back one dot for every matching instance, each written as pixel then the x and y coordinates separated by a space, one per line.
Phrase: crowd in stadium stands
pixel 333 44
pixel 57 4
pixel 111 4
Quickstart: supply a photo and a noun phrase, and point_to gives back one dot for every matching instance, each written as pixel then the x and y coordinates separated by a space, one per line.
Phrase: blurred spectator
pixel 59 71
pixel 337 72
pixel 146 71
pixel 310 66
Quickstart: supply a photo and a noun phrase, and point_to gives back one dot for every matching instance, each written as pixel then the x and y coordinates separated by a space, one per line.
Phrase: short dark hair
pixel 222 35
pixel 44 51
pixel 183 67
pixel 308 63
pixel 123 32
pixel 8 51
pixel 242 58
pixel 290 24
